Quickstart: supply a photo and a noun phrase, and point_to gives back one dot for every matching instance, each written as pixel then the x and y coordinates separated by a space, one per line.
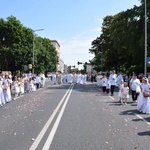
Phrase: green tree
pixel 16 48
pixel 122 41
pixel 15 44
pixel 45 55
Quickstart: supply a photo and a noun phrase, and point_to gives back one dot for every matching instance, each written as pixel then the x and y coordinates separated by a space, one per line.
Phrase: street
pixel 72 117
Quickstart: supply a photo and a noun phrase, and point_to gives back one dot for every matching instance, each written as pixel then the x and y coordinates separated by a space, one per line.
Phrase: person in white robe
pixel 121 85
pixel 37 81
pixel 125 93
pixel 70 78
pixel 15 89
pixel 119 79
pixel 134 86
pixel 113 79
pixel 22 84
pixel 143 102
pixel 6 89
pixel 79 78
pixel 29 74
pixel 27 85
pixel 59 78
pixel 34 84
pixel 24 78
pixel 42 80
pixel 64 78
pixel 54 79
pixel 84 78
pixel 99 80
pixel 104 83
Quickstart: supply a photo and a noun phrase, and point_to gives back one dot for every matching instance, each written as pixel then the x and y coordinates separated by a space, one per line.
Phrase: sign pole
pixel 145 66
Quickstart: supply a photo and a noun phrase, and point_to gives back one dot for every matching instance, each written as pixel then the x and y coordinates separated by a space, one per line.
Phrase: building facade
pixel 60 65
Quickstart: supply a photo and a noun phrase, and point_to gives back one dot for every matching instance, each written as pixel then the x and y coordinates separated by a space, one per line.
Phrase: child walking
pixel 104 83
pixel 125 93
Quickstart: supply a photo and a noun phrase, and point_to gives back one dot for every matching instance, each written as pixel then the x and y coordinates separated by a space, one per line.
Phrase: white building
pixel 60 65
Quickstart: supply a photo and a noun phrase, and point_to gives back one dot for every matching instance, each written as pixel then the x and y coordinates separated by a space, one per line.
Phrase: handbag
pixel 138 89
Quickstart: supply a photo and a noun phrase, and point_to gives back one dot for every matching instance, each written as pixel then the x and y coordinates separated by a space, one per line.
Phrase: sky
pixel 74 24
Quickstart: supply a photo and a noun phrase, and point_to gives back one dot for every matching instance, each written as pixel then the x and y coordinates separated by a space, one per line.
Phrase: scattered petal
pixel 32 139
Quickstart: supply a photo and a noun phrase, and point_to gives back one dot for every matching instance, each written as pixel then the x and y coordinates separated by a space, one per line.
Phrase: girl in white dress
pixel 27 85
pixel 6 89
pixel 21 85
pixel 31 83
pixel 146 108
pixel 15 88
pixel 104 83
pixel 143 104
pixel 34 84
pixel 125 92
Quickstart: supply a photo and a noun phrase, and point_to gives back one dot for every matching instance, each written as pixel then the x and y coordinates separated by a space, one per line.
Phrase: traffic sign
pixel 148 61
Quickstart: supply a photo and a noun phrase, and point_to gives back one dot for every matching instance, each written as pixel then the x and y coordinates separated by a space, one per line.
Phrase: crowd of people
pixel 138 85
pixel 63 78
pixel 12 86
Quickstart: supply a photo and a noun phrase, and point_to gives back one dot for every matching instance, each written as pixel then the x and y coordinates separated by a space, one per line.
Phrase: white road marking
pixel 54 129
pixel 41 134
pixel 111 97
pixel 142 119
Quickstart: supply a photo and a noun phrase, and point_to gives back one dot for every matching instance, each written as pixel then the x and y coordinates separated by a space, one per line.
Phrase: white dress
pixel 143 104
pixel 15 88
pixel 85 78
pixel 42 80
pixel 2 99
pixel 22 86
pixel 70 78
pixel 104 81
pixel 6 90
pixel 27 85
pixel 82 78
pixel 120 91
pixel 54 78
pixel 125 92
pixel 78 78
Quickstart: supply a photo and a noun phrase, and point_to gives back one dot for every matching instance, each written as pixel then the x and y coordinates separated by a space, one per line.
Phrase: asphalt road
pixel 72 117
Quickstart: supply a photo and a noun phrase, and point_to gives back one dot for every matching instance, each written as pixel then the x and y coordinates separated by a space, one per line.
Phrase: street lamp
pixel 33 48
pixel 145 66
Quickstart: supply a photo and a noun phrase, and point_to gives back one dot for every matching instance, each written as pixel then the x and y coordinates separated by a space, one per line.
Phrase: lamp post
pixel 33 48
pixel 145 66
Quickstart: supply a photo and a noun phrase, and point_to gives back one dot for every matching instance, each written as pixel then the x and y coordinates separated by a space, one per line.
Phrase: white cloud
pixel 77 48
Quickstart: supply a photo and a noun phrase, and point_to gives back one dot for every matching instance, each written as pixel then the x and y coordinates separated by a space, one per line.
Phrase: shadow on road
pixel 129 112
pixel 89 88
pixel 145 133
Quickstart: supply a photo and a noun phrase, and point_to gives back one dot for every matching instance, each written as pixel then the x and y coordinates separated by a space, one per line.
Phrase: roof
pixel 55 42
